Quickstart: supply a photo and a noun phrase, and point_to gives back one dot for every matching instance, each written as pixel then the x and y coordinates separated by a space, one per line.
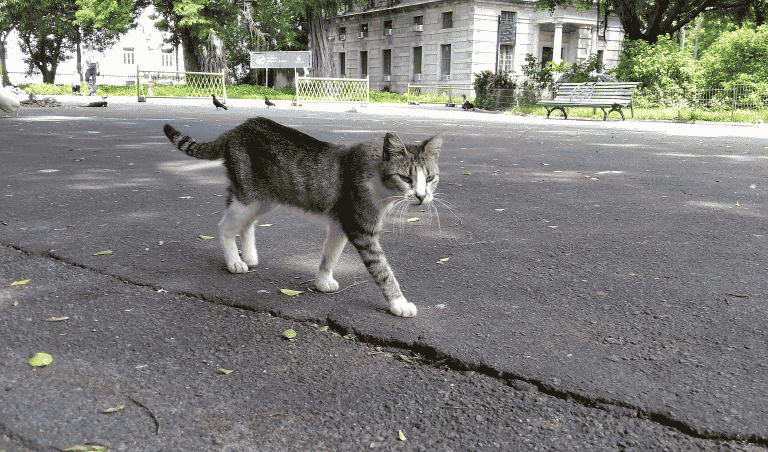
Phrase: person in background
pixel 91 71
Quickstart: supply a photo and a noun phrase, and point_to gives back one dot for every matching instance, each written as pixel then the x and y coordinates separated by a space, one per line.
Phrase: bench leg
pixel 614 108
pixel 550 110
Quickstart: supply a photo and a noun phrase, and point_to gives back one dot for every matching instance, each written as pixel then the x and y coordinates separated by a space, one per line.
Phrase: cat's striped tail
pixel 185 143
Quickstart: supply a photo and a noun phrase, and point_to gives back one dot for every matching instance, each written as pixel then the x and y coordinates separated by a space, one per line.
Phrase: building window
pixel 387 28
pixel 418 23
pixel 363 31
pixel 363 64
pixel 417 60
pixel 547 55
pixel 506 57
pixel 167 57
pixel 343 63
pixel 448 19
pixel 128 55
pixel 445 60
pixel 507 17
pixel 342 33
pixel 386 56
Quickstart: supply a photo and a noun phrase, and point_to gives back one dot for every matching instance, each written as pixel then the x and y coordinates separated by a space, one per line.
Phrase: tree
pixel 647 20
pixel 737 57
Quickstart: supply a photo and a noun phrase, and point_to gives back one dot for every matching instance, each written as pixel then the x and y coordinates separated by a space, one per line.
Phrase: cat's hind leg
pixel 240 219
pixel 334 244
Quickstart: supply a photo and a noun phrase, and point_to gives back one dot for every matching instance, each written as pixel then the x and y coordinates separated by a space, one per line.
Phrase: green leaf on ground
pixel 85 448
pixel 225 371
pixel 401 436
pixel 206 237
pixel 324 328
pixel 20 283
pixel 56 319
pixel 443 260
pixel 289 334
pixel 114 409
pixel 103 253
pixel 40 360
pixel 413 220
pixel 291 293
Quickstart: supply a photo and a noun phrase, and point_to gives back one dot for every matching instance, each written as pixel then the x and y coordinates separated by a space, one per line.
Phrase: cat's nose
pixel 420 197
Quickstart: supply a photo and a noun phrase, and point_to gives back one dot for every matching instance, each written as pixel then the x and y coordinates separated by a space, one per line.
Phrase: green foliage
pixel 385 97
pixel 737 57
pixel 491 86
pixel 661 66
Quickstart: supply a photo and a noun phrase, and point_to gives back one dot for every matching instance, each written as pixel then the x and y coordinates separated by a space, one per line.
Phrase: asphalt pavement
pixel 586 285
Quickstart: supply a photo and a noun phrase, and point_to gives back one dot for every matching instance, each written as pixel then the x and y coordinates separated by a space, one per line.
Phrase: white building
pixel 397 42
pixel 142 47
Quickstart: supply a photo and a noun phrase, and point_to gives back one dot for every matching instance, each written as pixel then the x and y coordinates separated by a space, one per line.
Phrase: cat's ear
pixel 432 146
pixel 393 145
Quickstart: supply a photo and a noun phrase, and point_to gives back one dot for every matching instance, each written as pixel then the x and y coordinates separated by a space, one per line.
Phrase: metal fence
pixel 438 94
pixel 62 78
pixel 180 84
pixel 739 97
pixel 312 89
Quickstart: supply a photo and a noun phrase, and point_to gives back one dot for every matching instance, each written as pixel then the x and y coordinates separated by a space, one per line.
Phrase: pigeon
pixel 75 88
pixel 99 103
pixel 9 102
pixel 268 102
pixel 218 103
pixel 467 105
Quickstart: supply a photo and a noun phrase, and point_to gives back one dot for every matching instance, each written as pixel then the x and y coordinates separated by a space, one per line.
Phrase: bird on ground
pixel 268 102
pixel 465 104
pixel 218 104
pixel 100 103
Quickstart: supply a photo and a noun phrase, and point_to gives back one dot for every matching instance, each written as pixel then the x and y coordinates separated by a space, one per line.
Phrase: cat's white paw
pixel 237 266
pixel 326 284
pixel 402 307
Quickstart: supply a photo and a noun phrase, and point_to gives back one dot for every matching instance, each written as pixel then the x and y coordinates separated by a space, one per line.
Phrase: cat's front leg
pixel 334 244
pixel 376 262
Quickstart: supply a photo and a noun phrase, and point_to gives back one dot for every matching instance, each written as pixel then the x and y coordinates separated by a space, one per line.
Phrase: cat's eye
pixel 406 179
pixel 430 178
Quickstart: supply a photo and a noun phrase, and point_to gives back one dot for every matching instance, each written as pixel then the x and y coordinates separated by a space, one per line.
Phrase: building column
pixel 558 45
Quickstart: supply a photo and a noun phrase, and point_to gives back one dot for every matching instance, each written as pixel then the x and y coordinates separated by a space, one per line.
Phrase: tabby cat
pixel 269 164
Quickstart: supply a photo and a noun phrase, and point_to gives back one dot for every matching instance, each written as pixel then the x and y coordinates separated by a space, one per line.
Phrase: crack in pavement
pixel 430 356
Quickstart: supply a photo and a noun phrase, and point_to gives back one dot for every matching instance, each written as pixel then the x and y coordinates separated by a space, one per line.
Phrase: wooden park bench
pixel 613 95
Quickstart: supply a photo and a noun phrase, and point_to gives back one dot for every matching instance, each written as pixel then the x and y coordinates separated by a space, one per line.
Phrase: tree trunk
pixel 212 55
pixel 3 68
pixel 189 44
pixel 323 64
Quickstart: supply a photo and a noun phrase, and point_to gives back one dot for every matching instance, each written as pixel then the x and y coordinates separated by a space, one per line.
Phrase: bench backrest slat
pixel 596 91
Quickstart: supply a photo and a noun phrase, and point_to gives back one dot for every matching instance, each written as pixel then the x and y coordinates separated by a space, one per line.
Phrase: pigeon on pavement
pixel 218 104
pixel 268 102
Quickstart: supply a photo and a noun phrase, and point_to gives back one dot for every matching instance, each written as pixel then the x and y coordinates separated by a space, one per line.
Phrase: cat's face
pixel 412 169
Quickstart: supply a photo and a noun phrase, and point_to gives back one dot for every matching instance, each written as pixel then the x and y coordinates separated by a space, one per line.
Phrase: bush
pixel 737 57
pixel 488 86
pixel 661 66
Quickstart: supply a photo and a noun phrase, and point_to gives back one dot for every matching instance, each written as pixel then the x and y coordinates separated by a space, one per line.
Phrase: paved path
pixel 607 277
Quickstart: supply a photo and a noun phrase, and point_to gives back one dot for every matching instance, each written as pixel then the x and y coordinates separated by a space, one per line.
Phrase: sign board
pixel 507 32
pixel 281 59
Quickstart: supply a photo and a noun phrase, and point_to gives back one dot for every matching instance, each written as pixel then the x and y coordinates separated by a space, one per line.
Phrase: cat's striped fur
pixel 269 164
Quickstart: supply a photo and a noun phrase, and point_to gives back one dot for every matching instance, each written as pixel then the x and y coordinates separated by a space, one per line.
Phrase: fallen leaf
pixel 405 358
pixel 56 319
pixel 266 225
pixel 85 448
pixel 206 237
pixel 114 409
pixel 40 360
pixel 413 220
pixel 401 436
pixel 465 174
pixel 225 371
pixel 103 253
pixel 500 210
pixel 20 283
pixel 291 293
pixel 289 334
pixel 324 328
pixel 443 260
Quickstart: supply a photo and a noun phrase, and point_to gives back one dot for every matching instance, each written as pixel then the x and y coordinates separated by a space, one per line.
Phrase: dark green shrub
pixel 494 90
